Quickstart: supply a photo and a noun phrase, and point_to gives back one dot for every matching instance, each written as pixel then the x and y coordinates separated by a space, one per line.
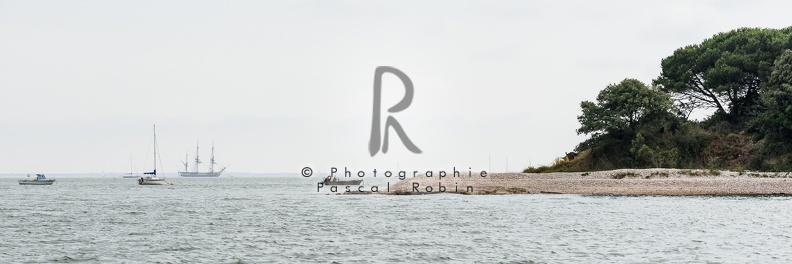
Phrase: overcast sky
pixel 280 85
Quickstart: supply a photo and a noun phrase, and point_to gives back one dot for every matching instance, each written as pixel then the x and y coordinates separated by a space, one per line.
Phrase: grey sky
pixel 279 85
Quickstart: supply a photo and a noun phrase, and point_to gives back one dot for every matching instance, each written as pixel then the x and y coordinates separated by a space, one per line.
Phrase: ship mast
pixel 186 160
pixel 212 161
pixel 197 160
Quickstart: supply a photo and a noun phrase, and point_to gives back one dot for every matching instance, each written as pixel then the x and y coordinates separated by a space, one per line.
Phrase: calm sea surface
pixel 283 219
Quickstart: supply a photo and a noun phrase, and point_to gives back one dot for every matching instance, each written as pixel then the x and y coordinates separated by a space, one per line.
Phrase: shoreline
pixel 614 182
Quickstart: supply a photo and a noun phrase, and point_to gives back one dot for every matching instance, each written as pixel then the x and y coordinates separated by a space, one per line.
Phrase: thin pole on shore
pixel 489 159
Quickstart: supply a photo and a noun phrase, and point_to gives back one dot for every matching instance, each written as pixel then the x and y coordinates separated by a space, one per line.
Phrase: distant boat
pixel 151 177
pixel 196 172
pixel 40 180
pixel 132 174
pixel 331 180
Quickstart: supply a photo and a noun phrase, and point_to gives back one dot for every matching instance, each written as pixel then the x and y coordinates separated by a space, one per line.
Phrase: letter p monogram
pixel 390 122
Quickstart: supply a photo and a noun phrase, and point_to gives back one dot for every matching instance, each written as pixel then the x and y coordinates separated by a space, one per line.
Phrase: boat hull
pixel 199 174
pixel 151 181
pixel 35 182
pixel 351 182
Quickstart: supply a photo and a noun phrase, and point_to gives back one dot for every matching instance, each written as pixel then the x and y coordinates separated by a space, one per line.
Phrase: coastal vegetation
pixel 744 77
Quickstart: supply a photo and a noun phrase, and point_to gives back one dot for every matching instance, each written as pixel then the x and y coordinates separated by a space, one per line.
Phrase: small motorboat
pixel 332 180
pixel 40 180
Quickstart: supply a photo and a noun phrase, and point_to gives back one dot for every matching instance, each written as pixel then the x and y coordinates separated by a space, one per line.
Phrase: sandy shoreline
pixel 621 182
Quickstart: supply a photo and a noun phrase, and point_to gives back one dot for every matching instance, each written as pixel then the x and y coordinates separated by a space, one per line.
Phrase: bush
pixel 710 172
pixel 540 169
pixel 622 175
pixel 659 174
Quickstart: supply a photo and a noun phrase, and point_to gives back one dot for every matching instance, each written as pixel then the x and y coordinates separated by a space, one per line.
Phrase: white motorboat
pixel 40 180
pixel 332 180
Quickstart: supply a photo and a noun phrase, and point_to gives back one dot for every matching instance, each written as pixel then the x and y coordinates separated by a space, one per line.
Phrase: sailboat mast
pixel 131 164
pixel 155 150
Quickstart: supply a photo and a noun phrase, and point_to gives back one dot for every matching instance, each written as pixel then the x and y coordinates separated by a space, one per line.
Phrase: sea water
pixel 284 219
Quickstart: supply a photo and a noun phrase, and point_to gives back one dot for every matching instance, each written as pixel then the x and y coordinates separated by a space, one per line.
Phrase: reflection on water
pixel 252 220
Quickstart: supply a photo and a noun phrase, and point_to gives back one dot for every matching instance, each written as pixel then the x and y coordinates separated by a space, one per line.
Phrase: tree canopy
pixel 725 72
pixel 775 121
pixel 622 107
pixel 745 74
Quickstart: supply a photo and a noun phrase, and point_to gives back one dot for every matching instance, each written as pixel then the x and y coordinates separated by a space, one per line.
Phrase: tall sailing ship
pixel 196 172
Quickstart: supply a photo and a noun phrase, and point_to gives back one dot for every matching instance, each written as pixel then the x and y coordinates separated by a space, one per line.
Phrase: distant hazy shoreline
pixel 618 182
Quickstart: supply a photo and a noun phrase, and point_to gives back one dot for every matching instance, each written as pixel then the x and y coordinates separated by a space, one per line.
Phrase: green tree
pixel 626 118
pixel 725 72
pixel 775 121
pixel 623 108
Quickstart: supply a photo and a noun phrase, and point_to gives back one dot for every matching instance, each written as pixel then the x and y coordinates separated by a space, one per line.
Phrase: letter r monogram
pixel 390 122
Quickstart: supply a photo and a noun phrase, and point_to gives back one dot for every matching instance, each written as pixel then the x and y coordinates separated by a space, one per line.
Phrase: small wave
pixel 64 259
pixel 69 259
pixel 234 199
pixel 179 249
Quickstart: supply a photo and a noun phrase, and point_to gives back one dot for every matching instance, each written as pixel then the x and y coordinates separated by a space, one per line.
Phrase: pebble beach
pixel 614 182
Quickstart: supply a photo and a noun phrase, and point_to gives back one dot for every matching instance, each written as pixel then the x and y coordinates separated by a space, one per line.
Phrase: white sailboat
pixel 151 178
pixel 132 172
